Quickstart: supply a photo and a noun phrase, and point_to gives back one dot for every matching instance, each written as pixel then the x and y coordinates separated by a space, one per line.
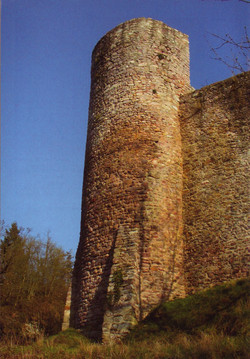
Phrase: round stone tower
pixel 130 256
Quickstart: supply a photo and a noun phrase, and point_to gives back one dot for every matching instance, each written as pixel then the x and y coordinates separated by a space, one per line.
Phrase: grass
pixel 208 325
pixel 222 309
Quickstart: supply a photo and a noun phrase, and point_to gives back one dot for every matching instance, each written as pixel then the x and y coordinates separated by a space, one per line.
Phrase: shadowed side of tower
pixel 130 252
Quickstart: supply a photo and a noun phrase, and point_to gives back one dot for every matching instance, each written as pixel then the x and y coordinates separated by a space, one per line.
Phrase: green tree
pixel 34 278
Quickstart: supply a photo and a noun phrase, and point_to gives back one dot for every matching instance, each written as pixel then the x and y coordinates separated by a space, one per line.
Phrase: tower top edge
pixel 141 20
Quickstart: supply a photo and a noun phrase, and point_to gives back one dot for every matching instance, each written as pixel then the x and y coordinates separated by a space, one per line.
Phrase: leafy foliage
pixel 34 278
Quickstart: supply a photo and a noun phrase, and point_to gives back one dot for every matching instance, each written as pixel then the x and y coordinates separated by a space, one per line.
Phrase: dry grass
pixel 204 347
pixel 211 325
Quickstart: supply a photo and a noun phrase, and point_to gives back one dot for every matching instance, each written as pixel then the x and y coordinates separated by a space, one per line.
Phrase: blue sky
pixel 45 66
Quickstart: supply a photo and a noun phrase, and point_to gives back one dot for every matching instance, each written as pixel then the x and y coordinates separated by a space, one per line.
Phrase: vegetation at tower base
pixel 213 324
pixel 34 277
pixel 114 296
pixel 165 198
pixel 218 309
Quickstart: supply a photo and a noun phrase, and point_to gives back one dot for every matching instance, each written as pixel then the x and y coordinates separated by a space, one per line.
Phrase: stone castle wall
pixel 130 251
pixel 142 148
pixel 215 141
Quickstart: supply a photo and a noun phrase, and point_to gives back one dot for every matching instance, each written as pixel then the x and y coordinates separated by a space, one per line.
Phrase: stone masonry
pixel 164 203
pixel 215 142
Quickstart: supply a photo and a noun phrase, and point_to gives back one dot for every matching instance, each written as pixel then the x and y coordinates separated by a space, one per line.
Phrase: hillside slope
pixel 213 324
pixel 222 309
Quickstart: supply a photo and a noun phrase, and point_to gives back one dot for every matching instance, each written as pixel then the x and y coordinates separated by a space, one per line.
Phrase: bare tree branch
pixel 238 58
